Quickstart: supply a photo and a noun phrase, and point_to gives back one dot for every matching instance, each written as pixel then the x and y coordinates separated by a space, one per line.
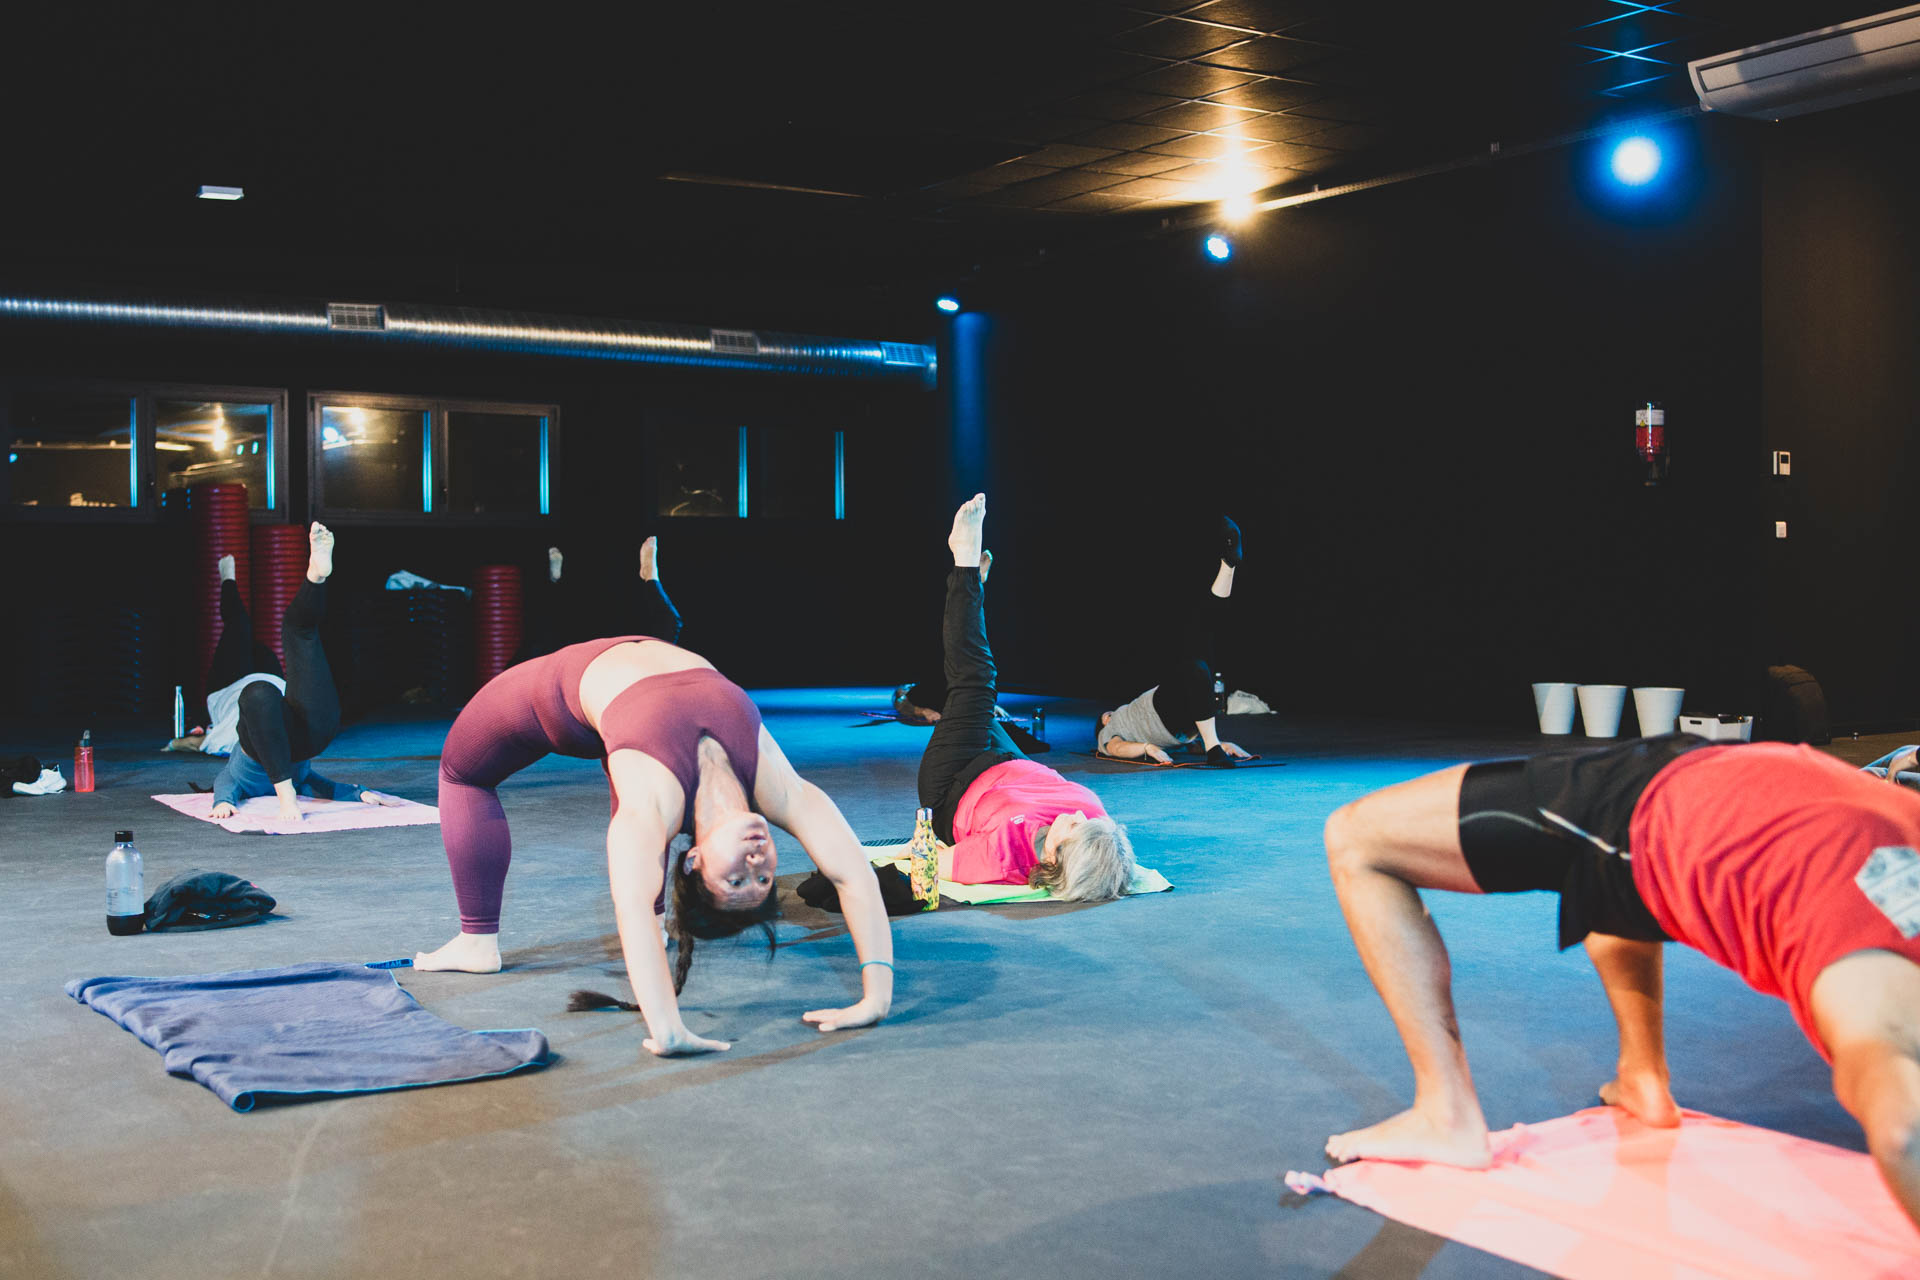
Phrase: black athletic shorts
pixel 1560 821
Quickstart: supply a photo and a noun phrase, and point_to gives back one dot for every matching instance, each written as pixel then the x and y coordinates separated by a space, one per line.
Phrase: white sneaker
pixel 1242 703
pixel 48 783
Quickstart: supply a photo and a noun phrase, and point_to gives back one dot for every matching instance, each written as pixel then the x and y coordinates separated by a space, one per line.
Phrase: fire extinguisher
pixel 1650 440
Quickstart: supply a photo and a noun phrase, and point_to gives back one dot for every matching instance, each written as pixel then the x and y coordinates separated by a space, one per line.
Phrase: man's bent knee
pixel 1345 836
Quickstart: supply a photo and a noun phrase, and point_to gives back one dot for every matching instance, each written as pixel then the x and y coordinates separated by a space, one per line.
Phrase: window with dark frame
pixel 72 450
pixel 215 442
pixel 773 472
pixel 421 458
pixel 115 450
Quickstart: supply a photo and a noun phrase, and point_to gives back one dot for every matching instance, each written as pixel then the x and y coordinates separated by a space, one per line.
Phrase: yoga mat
pixel 262 813
pixel 1145 880
pixel 1597 1196
pixel 1252 762
pixel 305 1031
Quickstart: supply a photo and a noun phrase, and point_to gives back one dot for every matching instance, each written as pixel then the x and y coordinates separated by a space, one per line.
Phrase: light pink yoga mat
pixel 263 814
pixel 1599 1196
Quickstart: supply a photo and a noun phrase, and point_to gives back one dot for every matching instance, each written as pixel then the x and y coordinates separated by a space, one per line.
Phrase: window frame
pixel 146 482
pixel 753 481
pixel 436 410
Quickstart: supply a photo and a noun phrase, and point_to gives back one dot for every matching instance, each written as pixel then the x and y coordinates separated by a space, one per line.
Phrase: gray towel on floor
pixel 281 1035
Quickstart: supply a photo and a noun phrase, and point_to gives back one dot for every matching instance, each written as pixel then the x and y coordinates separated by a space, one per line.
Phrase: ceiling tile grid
pixel 1253 94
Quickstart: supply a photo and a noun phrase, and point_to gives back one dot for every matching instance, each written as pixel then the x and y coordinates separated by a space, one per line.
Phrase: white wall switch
pixel 1782 463
pixel 1779 528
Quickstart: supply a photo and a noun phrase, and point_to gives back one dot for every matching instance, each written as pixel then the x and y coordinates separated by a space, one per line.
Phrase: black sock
pixel 1218 755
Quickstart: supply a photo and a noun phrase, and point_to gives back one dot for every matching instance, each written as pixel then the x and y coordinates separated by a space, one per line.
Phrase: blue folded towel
pixel 281 1035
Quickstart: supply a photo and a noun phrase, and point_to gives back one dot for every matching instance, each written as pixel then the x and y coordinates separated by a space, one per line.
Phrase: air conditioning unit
pixel 1866 58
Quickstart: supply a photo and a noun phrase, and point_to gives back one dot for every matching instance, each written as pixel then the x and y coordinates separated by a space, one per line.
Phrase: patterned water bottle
pixel 923 861
pixel 126 888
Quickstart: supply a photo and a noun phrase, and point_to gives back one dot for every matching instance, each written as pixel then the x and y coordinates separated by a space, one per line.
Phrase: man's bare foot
pixel 964 541
pixel 554 559
pixel 986 566
pixel 1413 1136
pixel 650 559
pixel 466 953
pixel 1644 1095
pixel 226 569
pixel 320 553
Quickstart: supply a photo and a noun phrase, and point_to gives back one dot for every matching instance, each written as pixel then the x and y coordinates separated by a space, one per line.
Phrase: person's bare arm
pixel 1866 1008
pixel 1121 749
pixel 791 802
pixel 636 841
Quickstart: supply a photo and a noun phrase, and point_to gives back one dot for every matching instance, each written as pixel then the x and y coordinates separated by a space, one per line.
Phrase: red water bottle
pixel 83 762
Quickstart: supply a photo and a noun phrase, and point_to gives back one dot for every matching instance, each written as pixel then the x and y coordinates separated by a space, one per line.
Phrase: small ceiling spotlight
pixel 948 305
pixel 1219 248
pixel 1237 209
pixel 222 193
pixel 1636 161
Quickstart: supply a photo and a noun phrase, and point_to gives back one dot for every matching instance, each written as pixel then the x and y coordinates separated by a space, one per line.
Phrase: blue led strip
pixel 133 453
pixel 426 462
pixel 545 475
pixel 743 473
pixel 272 504
pixel 839 475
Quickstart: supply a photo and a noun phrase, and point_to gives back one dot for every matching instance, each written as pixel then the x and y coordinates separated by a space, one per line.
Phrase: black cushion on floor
pixel 199 899
pixel 895 890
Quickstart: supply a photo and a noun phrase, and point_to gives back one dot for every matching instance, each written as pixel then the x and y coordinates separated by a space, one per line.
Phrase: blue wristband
pixel 888 963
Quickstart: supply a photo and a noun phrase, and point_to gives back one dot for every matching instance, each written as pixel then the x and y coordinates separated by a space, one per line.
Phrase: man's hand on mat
pixel 221 812
pixel 382 799
pixel 678 1040
pixel 864 1014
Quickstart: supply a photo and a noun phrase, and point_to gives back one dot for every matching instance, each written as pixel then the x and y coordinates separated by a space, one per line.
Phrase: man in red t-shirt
pixel 1797 872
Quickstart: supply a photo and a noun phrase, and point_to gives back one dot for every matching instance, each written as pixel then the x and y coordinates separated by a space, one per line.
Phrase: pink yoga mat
pixel 263 814
pixel 1599 1196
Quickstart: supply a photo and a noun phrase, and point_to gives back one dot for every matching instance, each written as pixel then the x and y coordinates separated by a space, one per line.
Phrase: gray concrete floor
pixel 1111 1091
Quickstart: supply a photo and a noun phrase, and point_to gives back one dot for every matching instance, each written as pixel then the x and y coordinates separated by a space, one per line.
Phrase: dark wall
pixel 1419 403
pixel 768 600
pixel 1841 364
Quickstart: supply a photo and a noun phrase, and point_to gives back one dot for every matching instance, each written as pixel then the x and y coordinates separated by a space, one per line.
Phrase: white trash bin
pixel 1600 707
pixel 1657 707
pixel 1553 703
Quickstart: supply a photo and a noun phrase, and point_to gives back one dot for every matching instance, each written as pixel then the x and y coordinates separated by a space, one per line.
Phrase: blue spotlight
pixel 1219 248
pixel 1636 161
pixel 948 305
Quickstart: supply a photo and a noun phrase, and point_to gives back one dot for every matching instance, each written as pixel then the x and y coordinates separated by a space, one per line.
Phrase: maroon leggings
pixel 526 712
pixel 533 710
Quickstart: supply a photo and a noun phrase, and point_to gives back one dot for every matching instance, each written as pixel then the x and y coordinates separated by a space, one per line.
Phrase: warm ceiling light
pixel 1237 209
pixel 222 193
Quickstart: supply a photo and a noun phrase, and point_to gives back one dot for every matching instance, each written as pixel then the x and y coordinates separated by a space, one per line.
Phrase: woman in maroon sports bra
pixel 684 750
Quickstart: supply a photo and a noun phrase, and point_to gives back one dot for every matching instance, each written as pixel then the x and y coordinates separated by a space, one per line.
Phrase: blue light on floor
pixel 1219 248
pixel 1636 161
pixel 948 305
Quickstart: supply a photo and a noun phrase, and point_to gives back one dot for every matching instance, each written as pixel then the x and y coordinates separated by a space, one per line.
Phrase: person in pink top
pixel 1007 819
pixel 1798 872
